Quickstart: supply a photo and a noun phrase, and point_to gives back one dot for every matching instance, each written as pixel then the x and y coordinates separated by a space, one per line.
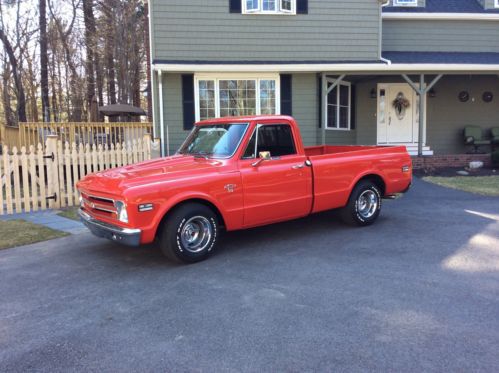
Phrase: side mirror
pixel 263 156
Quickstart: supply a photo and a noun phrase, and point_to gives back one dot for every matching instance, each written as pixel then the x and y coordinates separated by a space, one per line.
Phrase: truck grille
pixel 99 205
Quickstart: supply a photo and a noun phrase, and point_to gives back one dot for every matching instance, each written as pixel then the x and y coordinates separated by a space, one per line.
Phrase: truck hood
pixel 115 180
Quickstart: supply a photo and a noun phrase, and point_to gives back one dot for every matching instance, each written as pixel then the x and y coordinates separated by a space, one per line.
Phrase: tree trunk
pixel 21 97
pixel 9 115
pixel 44 79
pixel 88 15
pixel 100 84
pixel 55 110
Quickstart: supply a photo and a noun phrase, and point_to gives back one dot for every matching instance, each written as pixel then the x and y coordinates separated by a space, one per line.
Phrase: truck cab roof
pixel 248 118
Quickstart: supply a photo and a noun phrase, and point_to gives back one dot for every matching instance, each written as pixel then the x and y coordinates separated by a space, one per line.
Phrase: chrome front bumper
pixel 125 236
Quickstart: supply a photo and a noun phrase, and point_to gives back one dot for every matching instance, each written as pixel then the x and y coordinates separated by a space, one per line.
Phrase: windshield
pixel 216 140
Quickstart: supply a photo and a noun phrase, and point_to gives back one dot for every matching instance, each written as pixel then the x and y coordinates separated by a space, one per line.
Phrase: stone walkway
pixel 49 219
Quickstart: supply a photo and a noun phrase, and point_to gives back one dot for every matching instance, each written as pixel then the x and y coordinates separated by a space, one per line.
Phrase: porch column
pixel 421 91
pixel 162 119
pixel 325 93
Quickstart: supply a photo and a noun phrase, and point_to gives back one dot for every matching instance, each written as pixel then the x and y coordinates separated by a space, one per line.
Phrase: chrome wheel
pixel 367 204
pixel 196 234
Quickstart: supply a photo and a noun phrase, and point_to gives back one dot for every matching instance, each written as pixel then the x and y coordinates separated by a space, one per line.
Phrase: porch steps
pixel 413 150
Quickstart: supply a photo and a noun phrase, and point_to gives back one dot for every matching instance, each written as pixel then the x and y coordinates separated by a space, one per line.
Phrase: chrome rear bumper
pixel 125 236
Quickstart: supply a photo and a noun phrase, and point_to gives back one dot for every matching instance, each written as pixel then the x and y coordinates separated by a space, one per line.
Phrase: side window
pixel 274 138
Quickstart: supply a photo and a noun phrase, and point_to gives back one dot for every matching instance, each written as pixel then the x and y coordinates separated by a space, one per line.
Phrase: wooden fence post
pixel 7 170
pixel 53 172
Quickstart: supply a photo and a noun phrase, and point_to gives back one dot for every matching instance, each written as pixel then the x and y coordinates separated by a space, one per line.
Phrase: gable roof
pixel 442 6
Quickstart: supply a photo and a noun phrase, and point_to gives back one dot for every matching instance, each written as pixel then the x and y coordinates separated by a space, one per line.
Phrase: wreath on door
pixel 400 104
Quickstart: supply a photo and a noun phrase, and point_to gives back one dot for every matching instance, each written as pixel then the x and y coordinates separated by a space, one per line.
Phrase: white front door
pixel 397 114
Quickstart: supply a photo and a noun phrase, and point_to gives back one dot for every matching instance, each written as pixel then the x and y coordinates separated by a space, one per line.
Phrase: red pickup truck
pixel 237 173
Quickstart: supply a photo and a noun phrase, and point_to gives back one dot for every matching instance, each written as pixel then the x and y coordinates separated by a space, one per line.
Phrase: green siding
pixel 201 30
pixel 173 110
pixel 306 106
pixel 440 36
pixel 366 114
pixel 447 116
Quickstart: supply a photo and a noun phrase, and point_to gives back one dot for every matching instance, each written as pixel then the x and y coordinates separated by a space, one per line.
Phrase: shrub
pixel 495 158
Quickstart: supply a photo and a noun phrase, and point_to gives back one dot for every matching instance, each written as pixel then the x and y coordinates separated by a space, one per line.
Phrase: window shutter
pixel 352 107
pixel 188 103
pixel 286 94
pixel 302 6
pixel 235 6
pixel 319 98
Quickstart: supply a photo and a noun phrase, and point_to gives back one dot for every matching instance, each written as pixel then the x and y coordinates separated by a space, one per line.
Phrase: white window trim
pixel 278 11
pixel 403 3
pixel 496 4
pixel 249 76
pixel 337 128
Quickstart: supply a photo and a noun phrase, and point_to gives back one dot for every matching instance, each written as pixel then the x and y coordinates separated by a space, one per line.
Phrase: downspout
pixel 161 117
pixel 152 90
pixel 380 36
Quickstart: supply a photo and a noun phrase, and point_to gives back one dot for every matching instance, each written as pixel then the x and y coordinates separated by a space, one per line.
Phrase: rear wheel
pixel 189 234
pixel 364 205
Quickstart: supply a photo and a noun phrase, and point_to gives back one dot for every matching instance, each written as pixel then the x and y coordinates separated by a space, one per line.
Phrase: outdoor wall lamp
pixel 432 93
pixel 374 94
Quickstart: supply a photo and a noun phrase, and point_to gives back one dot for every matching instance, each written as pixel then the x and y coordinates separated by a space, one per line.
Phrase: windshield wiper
pixel 204 155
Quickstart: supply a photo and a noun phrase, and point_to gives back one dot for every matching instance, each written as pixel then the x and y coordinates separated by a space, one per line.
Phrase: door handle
pixel 298 166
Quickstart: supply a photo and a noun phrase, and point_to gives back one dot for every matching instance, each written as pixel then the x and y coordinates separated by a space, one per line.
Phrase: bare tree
pixel 44 78
pixel 21 97
pixel 88 16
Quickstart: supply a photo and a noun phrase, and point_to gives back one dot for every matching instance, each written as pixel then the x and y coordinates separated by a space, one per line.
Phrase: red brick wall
pixel 453 160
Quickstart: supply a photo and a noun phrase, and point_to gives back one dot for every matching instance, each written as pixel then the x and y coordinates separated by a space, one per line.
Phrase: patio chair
pixel 473 136
pixel 495 137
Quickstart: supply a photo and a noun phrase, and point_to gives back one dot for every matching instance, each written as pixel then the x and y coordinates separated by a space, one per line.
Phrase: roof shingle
pixel 443 6
pixel 443 58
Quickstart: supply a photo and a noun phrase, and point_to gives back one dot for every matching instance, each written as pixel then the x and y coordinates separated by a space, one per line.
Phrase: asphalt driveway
pixel 418 291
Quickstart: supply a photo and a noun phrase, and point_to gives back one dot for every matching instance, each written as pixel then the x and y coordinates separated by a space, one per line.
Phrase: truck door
pixel 279 188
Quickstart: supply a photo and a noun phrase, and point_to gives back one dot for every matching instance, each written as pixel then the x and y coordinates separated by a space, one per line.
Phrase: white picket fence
pixel 45 177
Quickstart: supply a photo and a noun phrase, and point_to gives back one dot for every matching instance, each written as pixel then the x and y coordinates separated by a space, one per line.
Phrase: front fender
pixel 150 232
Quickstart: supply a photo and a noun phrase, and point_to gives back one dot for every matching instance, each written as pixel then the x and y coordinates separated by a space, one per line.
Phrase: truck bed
pixel 336 170
pixel 313 151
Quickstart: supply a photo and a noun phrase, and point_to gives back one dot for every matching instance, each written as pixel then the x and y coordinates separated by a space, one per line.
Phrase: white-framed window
pixel 269 6
pixel 236 95
pixel 405 2
pixel 339 106
pixel 496 4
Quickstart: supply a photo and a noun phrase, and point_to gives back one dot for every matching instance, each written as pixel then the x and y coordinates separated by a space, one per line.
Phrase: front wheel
pixel 364 205
pixel 189 234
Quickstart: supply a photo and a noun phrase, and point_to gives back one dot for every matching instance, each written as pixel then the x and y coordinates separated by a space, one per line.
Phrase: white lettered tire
pixel 364 204
pixel 190 233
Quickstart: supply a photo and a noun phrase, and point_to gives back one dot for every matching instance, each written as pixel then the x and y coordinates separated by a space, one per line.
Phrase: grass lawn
pixel 20 232
pixel 70 213
pixel 485 185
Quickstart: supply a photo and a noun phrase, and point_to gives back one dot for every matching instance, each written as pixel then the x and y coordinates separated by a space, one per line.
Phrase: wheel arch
pixel 375 178
pixel 194 199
